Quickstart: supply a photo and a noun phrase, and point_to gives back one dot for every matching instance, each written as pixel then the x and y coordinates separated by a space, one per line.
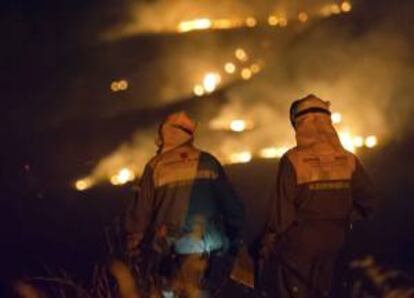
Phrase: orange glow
pixel 255 68
pixel 197 24
pixel 241 54
pixel 238 125
pixel 346 6
pixel 273 152
pixel 303 17
pixel 123 176
pixel 251 22
pixel 272 20
pixel 283 22
pixel 198 90
pixel 371 141
pixel 83 184
pixel 211 81
pixel 246 73
pixel 336 118
pixel 241 157
pixel 335 9
pixel 230 68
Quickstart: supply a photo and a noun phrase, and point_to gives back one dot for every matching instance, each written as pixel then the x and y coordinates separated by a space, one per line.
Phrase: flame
pixel 251 22
pixel 273 152
pixel 83 184
pixel 346 6
pixel 272 20
pixel 303 17
pixel 230 67
pixel 241 54
pixel 246 73
pixel 198 90
pixel 336 118
pixel 240 157
pixel 238 125
pixel 121 85
pixel 211 81
pixel 197 24
pixel 371 141
pixel 123 176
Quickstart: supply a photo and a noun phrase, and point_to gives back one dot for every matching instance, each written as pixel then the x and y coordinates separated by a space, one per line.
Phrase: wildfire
pixel 273 152
pixel 241 157
pixel 124 176
pixel 336 118
pixel 121 85
pixel 238 125
pixel 83 184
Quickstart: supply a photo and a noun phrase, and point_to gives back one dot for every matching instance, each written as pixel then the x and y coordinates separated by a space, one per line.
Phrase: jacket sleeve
pixel 232 206
pixel 363 193
pixel 139 214
pixel 282 212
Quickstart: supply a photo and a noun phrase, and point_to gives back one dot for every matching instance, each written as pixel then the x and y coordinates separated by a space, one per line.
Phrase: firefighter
pixel 187 209
pixel 320 188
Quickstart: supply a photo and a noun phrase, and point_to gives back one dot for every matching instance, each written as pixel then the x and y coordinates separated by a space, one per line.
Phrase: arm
pixel 139 214
pixel 282 208
pixel 282 212
pixel 363 193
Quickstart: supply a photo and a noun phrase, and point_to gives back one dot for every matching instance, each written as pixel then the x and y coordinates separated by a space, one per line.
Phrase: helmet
pixel 306 105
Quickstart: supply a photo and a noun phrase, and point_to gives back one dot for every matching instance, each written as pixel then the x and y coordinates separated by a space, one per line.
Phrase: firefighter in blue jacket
pixel 186 207
pixel 320 188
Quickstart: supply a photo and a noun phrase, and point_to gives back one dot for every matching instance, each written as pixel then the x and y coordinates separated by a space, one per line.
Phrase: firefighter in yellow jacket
pixel 186 207
pixel 320 187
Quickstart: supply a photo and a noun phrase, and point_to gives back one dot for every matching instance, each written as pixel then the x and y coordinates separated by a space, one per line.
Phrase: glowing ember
pixel 346 6
pixel 347 141
pixel 272 20
pixel 198 90
pixel 223 24
pixel 124 175
pixel 241 55
pixel 255 68
pixel 241 157
pixel 283 22
pixel 246 73
pixel 230 67
pixel 251 22
pixel 358 141
pixel 83 184
pixel 238 125
pixel 371 141
pixel 303 17
pixel 121 85
pixel 335 9
pixel 336 118
pixel 210 82
pixel 197 24
pixel 273 152
pixel 114 86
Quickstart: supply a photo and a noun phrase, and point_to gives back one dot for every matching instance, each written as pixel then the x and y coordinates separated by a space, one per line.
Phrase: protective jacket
pixel 185 197
pixel 320 187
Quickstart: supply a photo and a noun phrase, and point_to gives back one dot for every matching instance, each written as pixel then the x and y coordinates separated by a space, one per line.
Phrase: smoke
pixel 164 16
pixel 364 69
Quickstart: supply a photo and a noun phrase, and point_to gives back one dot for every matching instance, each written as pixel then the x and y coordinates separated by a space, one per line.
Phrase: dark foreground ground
pixel 68 230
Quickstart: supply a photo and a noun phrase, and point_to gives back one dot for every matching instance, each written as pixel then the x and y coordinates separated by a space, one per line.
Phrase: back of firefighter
pixel 320 187
pixel 186 207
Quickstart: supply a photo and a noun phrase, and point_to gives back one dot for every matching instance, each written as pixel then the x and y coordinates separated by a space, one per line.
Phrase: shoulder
pixel 209 160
